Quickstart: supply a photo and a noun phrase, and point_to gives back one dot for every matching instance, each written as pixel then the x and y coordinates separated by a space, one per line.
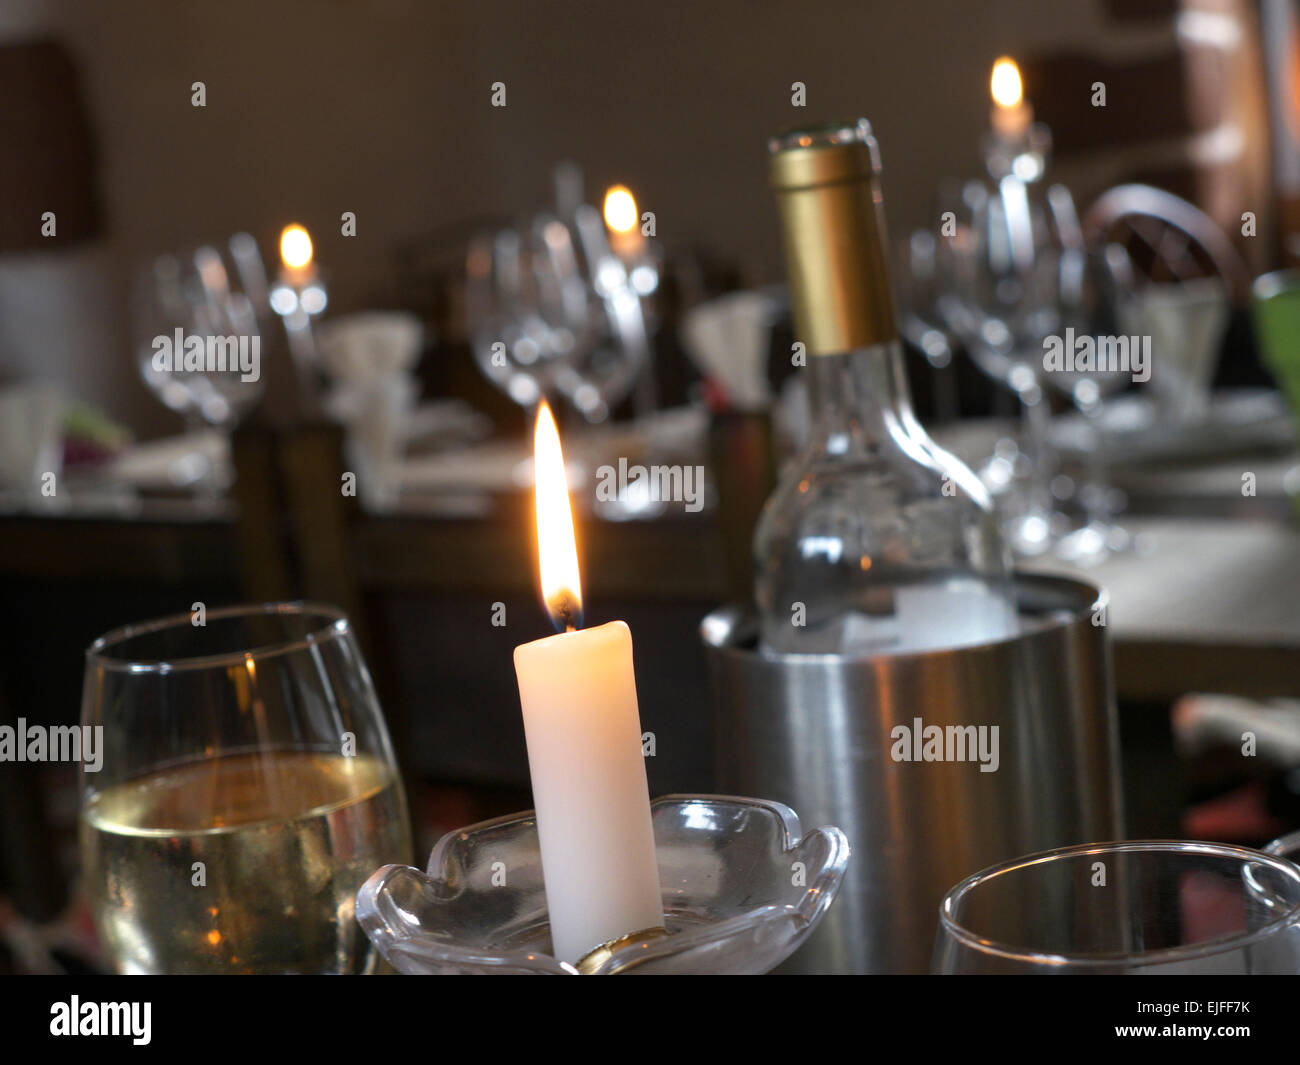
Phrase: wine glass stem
pixel 948 400
pixel 1095 494
pixel 1037 421
pixel 207 487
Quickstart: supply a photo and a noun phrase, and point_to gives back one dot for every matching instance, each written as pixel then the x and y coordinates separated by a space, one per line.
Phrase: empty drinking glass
pixel 198 341
pixel 999 261
pixel 920 320
pixel 1158 906
pixel 1087 293
pixel 553 312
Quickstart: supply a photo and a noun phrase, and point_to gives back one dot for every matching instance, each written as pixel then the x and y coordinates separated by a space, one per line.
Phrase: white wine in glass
pixel 237 856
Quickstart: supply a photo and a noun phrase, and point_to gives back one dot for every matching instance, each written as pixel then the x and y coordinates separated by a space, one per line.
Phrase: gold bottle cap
pixel 598 956
pixel 827 184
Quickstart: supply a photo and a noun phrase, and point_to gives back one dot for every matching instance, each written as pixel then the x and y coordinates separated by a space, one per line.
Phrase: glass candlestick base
pixel 742 889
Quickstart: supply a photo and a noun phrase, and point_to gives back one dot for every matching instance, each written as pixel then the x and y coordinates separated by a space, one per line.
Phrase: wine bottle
pixel 876 540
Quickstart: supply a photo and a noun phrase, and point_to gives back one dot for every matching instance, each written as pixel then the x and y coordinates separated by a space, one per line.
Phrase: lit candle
pixel 583 731
pixel 296 267
pixel 1011 116
pixel 299 291
pixel 624 224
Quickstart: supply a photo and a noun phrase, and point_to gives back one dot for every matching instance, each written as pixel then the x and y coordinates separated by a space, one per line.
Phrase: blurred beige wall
pixel 315 107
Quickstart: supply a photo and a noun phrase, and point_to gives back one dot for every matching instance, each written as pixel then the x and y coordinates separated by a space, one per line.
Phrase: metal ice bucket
pixel 821 732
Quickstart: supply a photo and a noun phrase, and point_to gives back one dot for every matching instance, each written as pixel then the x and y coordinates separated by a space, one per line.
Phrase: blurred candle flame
pixel 295 247
pixel 620 209
pixel 557 549
pixel 1005 83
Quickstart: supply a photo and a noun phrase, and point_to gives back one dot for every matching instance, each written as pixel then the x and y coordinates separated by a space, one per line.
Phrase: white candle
pixel 583 729
pixel 1011 116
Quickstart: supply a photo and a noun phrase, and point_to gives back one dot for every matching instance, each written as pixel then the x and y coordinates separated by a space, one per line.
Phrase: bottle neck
pixel 859 399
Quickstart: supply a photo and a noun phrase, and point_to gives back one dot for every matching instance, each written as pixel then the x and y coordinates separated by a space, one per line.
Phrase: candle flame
pixel 557 549
pixel 1005 83
pixel 620 210
pixel 295 247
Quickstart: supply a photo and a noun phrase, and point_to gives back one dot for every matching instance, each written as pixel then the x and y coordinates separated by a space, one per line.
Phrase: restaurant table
pixel 1202 604
pixel 1214 488
pixel 1208 599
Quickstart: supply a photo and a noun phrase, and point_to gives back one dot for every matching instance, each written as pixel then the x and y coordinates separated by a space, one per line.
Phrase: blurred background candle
pixel 299 295
pixel 583 730
pixel 299 289
pixel 624 224
pixel 1011 116
pixel 296 256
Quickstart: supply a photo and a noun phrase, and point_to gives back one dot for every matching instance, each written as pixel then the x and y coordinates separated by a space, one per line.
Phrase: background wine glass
pixel 1162 906
pixel 551 315
pixel 197 294
pixel 247 789
pixel 921 321
pixel 1089 286
pixel 506 352
pixel 998 264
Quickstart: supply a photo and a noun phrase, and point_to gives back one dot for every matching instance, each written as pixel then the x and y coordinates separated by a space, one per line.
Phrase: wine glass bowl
pixel 1155 906
pixel 195 293
pixel 183 299
pixel 552 311
pixel 247 788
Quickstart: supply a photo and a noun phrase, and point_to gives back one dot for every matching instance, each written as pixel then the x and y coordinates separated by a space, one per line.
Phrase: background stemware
pixel 1088 288
pixel 998 262
pixel 554 312
pixel 921 321
pixel 199 294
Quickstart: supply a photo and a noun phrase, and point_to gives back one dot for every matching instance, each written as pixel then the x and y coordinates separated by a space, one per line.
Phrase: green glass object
pixel 1275 308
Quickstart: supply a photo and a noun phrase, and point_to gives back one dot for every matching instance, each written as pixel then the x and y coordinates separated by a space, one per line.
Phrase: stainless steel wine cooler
pixel 935 764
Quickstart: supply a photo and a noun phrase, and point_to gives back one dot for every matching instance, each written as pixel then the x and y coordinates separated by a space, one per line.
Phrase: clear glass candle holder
pixel 742 889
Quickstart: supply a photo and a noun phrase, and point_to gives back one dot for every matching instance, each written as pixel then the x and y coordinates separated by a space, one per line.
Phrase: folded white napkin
pixel 728 340
pixel 359 347
pixel 368 358
pixel 1186 323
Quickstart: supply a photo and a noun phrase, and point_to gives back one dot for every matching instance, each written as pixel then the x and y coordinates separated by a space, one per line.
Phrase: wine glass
pixel 1155 906
pixel 1088 295
pixel 198 296
pixel 920 322
pixel 246 789
pixel 998 262
pixel 551 314
pixel 510 339
pixel 1287 847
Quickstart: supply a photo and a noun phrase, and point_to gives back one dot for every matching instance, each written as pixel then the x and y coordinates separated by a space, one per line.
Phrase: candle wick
pixel 567 612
